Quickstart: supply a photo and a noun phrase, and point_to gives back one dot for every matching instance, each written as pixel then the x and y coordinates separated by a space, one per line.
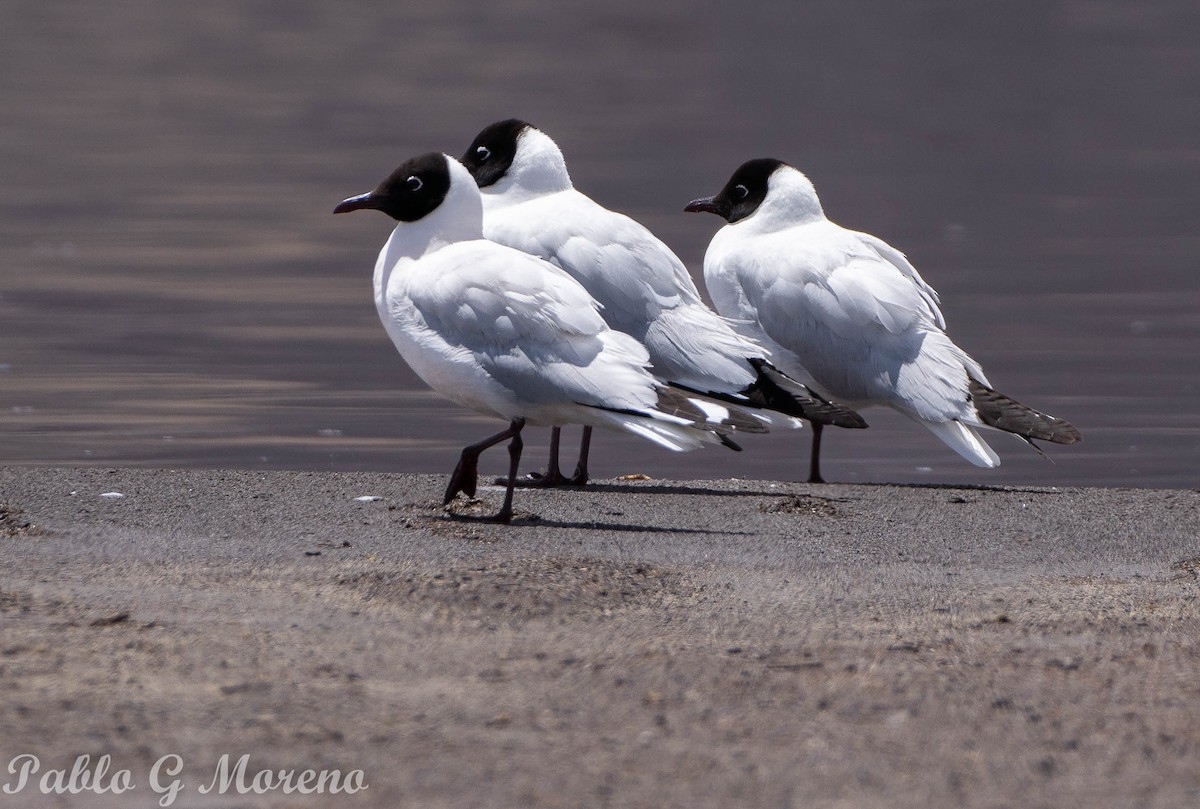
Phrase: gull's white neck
pixel 791 200
pixel 537 169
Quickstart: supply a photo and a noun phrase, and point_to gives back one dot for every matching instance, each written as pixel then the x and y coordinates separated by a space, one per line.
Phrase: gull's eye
pixel 740 192
pixel 483 153
pixel 414 183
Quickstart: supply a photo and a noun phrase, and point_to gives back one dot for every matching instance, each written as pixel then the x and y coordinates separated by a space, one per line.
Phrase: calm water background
pixel 174 290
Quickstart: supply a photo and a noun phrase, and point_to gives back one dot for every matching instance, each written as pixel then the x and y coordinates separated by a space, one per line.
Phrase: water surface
pixel 175 292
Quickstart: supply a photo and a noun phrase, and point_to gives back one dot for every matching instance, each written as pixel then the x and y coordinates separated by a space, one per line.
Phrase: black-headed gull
pixel 644 290
pixel 849 313
pixel 507 334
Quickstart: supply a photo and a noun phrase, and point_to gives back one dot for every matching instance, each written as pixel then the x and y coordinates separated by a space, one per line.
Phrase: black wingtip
pixel 1004 413
pixel 775 390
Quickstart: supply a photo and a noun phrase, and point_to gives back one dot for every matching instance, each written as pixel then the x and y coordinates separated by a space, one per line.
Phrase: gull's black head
pixel 410 192
pixel 491 154
pixel 744 192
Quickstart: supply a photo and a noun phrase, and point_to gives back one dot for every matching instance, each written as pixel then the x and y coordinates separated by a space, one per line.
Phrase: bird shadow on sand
pixel 832 490
pixel 523 519
pixel 590 525
pixel 669 488
pixel 458 513
pixel 975 487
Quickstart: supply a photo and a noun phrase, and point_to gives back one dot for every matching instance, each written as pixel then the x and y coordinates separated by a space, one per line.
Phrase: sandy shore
pixel 636 644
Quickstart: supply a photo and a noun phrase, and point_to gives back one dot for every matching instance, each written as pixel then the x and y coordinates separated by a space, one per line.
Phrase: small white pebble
pixel 112 495
pixel 368 498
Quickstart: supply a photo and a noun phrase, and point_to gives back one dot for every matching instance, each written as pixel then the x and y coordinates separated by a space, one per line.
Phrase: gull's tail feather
pixel 677 437
pixel 682 421
pixel 964 440
pixel 999 411
pixel 704 412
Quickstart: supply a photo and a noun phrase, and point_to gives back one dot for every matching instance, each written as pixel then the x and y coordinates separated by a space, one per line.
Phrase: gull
pixel 848 313
pixel 644 290
pixel 507 334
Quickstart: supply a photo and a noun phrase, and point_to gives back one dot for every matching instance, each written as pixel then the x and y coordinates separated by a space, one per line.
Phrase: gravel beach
pixel 639 643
